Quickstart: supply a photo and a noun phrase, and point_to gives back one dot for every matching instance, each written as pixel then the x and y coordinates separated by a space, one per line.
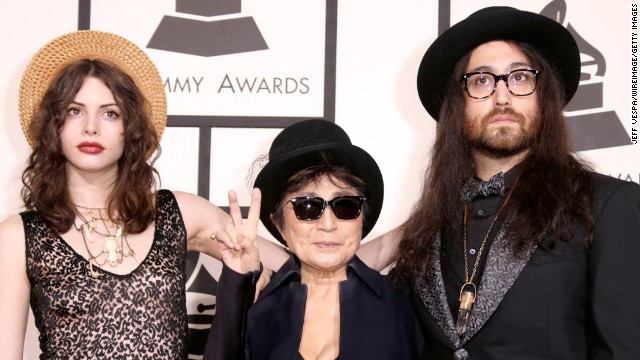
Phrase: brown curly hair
pixel 131 200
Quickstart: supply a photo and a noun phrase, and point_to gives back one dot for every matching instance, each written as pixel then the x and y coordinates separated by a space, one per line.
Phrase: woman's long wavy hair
pixel 554 190
pixel 131 199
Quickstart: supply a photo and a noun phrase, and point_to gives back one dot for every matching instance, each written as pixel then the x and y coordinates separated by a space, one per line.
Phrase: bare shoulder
pixel 185 197
pixel 11 228
pixel 189 198
pixel 12 237
pixel 190 203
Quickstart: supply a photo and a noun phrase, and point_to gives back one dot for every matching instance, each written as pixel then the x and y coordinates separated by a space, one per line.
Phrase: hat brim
pixel 552 39
pixel 92 45
pixel 276 173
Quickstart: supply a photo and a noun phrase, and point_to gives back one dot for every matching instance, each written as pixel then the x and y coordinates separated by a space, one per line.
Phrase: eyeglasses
pixel 482 84
pixel 310 208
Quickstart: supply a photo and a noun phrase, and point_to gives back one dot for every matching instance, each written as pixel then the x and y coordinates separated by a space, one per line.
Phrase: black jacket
pixel 570 303
pixel 376 320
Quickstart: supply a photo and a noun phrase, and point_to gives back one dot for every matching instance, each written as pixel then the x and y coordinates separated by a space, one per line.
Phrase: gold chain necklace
pixel 469 289
pixel 112 251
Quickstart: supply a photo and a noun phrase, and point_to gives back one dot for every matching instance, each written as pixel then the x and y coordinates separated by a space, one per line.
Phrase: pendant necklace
pixel 469 290
pixel 112 250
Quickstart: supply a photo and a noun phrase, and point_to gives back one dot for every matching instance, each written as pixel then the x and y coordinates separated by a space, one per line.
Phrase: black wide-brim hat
pixel 300 146
pixel 549 37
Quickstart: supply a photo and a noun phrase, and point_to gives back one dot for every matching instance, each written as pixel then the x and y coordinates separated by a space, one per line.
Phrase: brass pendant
pixel 467 298
pixel 86 230
pixel 93 273
pixel 94 225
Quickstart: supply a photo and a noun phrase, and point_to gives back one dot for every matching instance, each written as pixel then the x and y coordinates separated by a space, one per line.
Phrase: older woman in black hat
pixel 321 196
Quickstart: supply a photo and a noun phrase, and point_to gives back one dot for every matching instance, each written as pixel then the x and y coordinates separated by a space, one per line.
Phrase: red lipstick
pixel 90 147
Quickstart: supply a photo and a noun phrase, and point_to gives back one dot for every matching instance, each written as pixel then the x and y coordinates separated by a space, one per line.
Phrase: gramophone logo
pixel 214 37
pixel 201 290
pixel 598 128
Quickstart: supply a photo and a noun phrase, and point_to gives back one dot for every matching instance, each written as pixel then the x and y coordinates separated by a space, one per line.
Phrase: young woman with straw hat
pixel 99 252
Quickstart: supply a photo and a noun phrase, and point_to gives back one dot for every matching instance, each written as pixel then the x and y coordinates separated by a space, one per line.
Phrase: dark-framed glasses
pixel 482 84
pixel 310 208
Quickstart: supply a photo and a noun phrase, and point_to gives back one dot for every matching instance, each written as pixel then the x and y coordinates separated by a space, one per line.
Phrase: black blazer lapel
pixel 431 291
pixel 500 272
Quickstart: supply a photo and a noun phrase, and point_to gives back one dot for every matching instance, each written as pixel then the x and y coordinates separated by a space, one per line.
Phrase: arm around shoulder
pixel 202 219
pixel 379 253
pixel 14 296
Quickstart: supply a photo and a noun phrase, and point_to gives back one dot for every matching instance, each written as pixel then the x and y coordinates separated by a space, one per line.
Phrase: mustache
pixel 503 110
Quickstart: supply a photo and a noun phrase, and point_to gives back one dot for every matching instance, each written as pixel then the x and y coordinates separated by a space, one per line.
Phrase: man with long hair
pixel 516 249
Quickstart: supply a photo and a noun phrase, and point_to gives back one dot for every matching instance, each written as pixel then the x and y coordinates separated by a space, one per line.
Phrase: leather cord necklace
pixel 469 290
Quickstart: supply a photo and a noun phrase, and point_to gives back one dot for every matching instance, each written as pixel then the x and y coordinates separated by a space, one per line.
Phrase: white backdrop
pixel 379 47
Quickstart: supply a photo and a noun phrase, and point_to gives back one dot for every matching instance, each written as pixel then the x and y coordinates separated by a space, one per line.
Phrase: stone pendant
pixel 467 298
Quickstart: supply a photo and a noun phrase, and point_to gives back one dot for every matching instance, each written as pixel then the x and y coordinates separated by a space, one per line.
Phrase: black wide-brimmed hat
pixel 549 37
pixel 301 146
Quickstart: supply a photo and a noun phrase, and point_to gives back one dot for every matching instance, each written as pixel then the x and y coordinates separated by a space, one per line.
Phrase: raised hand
pixel 238 242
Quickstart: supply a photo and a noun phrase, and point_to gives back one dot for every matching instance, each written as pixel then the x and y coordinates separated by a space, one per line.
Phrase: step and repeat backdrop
pixel 237 72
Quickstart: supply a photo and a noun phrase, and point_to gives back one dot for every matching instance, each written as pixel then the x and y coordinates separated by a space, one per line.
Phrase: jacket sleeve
pixel 614 276
pixel 228 334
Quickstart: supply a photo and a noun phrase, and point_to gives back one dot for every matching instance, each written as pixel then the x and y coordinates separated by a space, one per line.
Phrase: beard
pixel 500 142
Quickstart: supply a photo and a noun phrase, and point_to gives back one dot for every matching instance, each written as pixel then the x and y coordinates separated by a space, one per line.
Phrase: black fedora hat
pixel 549 37
pixel 300 146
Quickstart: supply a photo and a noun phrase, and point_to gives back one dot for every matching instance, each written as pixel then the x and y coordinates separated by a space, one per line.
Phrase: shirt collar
pixel 290 272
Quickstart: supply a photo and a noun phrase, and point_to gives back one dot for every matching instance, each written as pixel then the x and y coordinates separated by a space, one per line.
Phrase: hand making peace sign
pixel 238 242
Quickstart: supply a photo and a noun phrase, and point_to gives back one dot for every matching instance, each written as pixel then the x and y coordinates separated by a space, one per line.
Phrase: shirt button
pixel 480 212
pixel 472 251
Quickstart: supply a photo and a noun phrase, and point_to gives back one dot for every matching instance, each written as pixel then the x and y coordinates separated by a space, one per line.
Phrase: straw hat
pixel 94 45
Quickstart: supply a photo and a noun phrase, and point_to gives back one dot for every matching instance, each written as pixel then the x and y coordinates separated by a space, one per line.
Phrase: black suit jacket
pixel 570 303
pixel 377 321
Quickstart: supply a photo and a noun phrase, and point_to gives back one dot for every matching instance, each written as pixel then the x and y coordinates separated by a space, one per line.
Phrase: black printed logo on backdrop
pixel 227 31
pixel 208 38
pixel 594 128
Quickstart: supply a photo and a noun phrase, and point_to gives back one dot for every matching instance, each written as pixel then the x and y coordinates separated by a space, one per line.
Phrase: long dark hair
pixel 550 169
pixel 45 188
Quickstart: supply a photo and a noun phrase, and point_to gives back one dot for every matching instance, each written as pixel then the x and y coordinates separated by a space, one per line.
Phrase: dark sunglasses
pixel 311 207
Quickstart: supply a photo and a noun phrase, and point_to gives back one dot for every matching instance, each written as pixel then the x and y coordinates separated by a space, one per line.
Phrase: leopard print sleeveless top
pixel 141 315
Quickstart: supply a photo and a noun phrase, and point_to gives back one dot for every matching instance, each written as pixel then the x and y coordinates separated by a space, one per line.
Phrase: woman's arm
pixel 238 246
pixel 202 218
pixel 379 253
pixel 14 289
